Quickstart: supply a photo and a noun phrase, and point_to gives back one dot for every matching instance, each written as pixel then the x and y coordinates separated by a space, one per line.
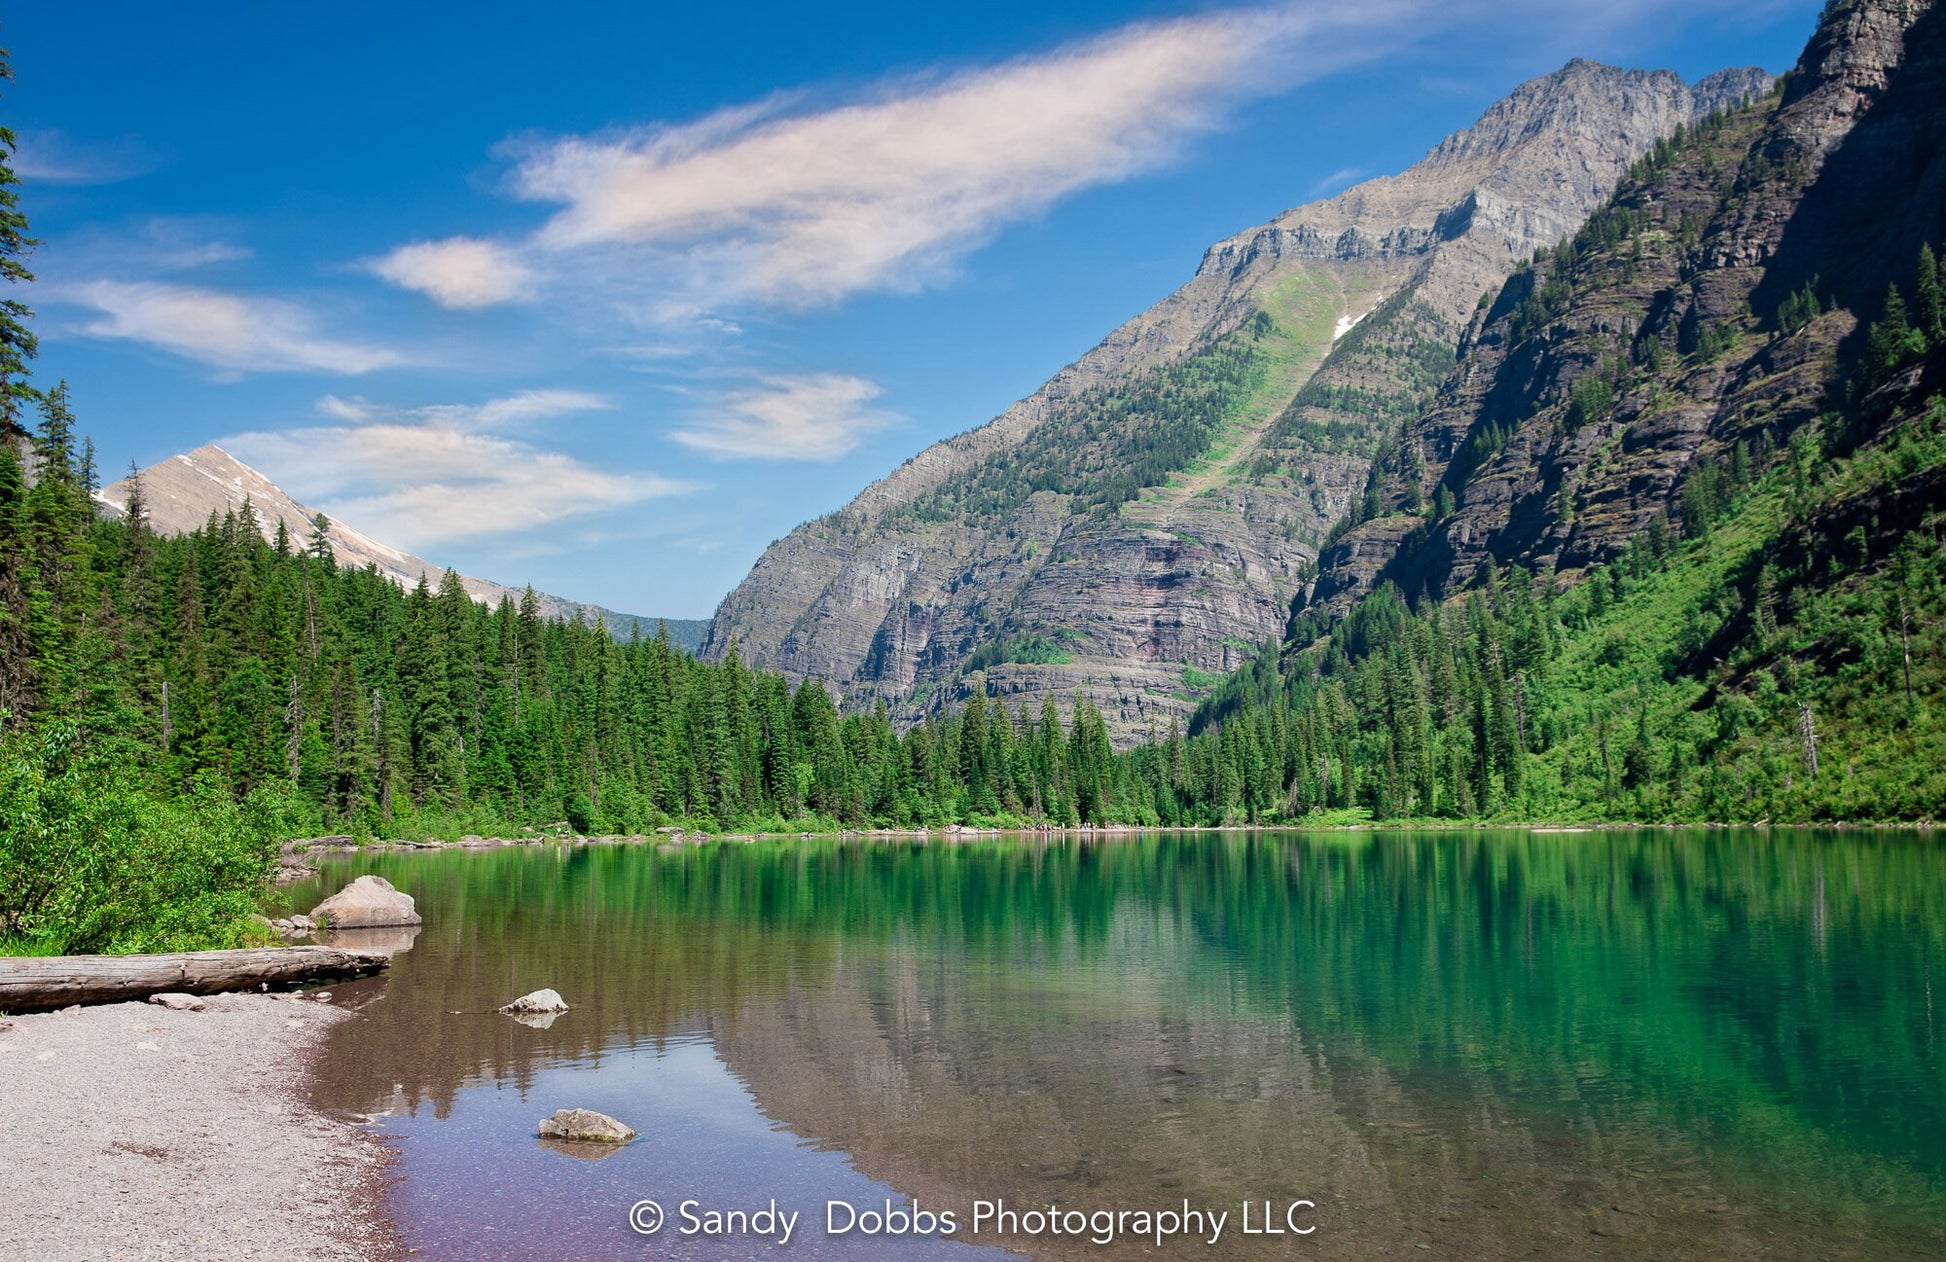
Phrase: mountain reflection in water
pixel 1671 1043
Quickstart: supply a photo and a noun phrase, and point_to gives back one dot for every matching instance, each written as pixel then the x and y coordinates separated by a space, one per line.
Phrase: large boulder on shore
pixel 585 1126
pixel 369 902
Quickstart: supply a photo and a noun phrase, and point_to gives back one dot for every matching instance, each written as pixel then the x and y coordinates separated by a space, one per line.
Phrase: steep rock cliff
pixel 1696 321
pixel 1144 520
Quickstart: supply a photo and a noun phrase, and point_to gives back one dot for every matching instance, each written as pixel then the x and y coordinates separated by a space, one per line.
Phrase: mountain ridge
pixel 1681 338
pixel 1247 441
pixel 1666 545
pixel 182 491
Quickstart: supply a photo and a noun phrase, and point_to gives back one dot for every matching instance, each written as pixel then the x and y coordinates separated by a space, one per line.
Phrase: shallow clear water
pixel 1664 1044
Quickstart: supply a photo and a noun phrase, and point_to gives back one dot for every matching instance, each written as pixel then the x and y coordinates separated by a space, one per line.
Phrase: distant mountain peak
pixel 184 490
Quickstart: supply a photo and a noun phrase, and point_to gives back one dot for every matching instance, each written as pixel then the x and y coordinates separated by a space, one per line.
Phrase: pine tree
pixel 17 694
pixel 1929 299
pixel 318 546
pixel 1890 344
pixel 17 342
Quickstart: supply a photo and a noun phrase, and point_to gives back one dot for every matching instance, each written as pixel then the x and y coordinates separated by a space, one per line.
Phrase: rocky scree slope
pixel 1143 521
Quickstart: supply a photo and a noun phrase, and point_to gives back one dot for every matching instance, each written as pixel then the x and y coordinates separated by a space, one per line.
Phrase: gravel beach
pixel 132 1131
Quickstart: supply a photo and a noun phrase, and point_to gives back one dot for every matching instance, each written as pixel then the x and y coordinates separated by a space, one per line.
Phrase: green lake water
pixel 1658 1044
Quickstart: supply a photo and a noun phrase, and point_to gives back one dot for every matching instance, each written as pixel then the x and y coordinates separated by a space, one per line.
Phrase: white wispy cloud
pixel 425 476
pixel 228 331
pixel 532 405
pixel 458 272
pixel 815 416
pixel 508 411
pixel 54 157
pixel 139 248
pixel 356 411
pixel 1331 183
pixel 784 205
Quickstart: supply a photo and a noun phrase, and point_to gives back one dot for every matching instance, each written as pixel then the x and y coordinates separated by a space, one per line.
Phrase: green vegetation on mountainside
pixel 1175 425
pixel 1383 370
pixel 1303 312
pixel 1108 444
pixel 1784 660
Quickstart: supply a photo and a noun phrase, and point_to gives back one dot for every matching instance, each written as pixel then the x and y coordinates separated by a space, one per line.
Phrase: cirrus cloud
pixel 232 332
pixel 54 157
pixel 813 416
pixel 759 203
pixel 439 474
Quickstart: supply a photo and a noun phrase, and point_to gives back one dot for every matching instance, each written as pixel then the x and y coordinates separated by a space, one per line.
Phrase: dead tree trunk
pixel 39 983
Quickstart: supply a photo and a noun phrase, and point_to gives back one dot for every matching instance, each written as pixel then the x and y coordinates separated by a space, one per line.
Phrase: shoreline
pixel 296 869
pixel 135 1131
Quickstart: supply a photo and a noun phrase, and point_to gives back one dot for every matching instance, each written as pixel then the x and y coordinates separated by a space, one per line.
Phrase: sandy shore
pixel 130 1131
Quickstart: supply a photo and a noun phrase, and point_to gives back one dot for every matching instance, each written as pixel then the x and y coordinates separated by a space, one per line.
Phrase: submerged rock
pixel 580 1150
pixel 585 1126
pixel 367 903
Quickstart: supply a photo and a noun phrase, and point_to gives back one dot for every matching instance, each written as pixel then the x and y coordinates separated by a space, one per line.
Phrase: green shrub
pixel 90 862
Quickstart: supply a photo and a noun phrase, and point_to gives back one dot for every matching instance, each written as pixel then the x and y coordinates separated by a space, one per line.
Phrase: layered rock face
pixel 1143 521
pixel 1665 340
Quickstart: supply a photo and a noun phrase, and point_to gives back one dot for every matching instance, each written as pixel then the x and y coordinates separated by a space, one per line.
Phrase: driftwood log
pixel 40 983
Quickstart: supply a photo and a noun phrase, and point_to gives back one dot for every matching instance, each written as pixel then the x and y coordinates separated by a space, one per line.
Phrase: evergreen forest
pixel 173 708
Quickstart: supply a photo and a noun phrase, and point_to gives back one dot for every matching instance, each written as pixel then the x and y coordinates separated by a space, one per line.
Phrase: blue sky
pixel 606 297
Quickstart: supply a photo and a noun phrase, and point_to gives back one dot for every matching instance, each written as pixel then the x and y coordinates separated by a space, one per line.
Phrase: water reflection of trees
pixel 1380 1010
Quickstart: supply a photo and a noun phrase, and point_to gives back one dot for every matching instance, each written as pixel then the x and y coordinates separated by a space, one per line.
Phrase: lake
pixel 1653 1044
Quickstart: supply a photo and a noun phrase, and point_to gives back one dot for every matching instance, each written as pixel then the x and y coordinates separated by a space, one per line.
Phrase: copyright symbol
pixel 645 1217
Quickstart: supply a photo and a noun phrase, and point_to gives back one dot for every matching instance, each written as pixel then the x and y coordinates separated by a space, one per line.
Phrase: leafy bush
pixel 90 862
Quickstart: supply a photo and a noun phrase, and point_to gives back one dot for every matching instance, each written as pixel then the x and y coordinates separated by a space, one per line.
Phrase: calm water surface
pixel 1663 1044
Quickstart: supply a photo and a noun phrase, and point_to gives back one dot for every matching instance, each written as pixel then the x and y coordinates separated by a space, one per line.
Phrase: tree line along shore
pixel 171 707
pixel 174 706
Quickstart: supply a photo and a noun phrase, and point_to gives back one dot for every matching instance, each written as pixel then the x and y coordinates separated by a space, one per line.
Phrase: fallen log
pixel 40 983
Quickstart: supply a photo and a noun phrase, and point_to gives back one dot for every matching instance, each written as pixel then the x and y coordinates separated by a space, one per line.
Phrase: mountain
pixel 184 490
pixel 1141 523
pixel 1667 543
pixel 1655 343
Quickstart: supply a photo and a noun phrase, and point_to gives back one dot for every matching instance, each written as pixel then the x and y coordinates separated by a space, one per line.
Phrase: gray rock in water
pixel 369 902
pixel 536 1002
pixel 177 1002
pixel 585 1126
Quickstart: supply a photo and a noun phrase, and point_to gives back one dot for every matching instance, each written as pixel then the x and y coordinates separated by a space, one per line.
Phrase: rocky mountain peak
pixel 1857 45
pixel 1142 521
